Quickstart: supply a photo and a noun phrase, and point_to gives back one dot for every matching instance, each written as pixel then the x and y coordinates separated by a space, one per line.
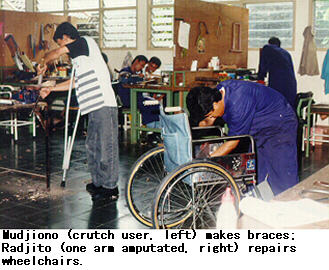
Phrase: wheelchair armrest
pixel 204 132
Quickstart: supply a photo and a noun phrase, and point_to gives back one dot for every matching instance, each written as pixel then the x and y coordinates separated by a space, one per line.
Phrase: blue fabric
pixel 124 92
pixel 149 113
pixel 177 139
pixel 263 113
pixel 278 63
pixel 325 72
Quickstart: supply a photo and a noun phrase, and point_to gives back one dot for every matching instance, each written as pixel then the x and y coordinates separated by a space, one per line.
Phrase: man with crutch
pixel 96 98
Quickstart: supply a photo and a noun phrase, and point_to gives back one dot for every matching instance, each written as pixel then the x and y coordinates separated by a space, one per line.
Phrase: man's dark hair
pixel 155 60
pixel 68 29
pixel 200 101
pixel 274 41
pixel 140 58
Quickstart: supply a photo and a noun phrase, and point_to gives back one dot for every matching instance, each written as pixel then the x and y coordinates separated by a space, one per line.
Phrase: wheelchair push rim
pixel 192 203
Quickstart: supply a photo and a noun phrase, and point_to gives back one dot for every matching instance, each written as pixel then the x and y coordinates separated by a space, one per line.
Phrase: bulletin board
pixel 24 26
pixel 215 30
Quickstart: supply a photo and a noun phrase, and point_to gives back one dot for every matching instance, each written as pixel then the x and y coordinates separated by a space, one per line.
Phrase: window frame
pixel 25 9
pixel 150 6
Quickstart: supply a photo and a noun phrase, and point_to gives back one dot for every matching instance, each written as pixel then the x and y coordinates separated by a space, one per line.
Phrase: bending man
pixel 260 111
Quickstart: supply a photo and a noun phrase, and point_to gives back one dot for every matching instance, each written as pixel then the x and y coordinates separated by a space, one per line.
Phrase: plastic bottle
pixel 227 216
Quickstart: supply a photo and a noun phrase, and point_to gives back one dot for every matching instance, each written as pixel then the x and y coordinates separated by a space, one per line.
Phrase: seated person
pixel 150 114
pixel 262 112
pixel 151 67
pixel 136 67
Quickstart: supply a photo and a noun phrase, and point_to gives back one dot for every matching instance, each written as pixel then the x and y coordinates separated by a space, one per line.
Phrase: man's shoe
pixel 110 194
pixel 92 188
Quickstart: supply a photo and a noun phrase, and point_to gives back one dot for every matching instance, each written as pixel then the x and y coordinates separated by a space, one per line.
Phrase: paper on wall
pixel 184 34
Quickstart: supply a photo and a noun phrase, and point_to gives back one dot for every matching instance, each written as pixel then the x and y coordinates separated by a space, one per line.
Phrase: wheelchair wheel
pixel 190 196
pixel 145 177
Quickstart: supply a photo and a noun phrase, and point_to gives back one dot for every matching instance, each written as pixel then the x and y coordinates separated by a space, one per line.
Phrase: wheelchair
pixel 178 185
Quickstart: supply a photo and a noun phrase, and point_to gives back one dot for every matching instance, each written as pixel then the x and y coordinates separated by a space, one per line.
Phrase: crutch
pixel 69 140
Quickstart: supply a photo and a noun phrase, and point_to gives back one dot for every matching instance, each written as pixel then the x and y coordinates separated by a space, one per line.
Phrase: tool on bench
pixel 14 51
pixel 128 78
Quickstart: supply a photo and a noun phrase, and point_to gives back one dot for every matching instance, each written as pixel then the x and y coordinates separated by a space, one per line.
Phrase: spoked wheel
pixel 190 196
pixel 145 177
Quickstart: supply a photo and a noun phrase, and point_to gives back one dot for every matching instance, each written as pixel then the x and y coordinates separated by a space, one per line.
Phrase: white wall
pixel 305 83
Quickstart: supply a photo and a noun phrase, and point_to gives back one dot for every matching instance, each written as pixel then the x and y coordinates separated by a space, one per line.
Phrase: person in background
pixel 278 63
pixel 96 99
pixel 136 67
pixel 150 114
pixel 151 67
pixel 253 109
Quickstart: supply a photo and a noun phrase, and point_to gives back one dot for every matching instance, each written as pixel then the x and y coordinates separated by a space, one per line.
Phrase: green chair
pixel 304 101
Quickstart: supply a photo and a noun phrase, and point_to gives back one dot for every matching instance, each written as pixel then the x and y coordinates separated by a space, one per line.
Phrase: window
pixel 120 24
pixel 85 4
pixel 116 18
pixel 120 29
pixel 15 5
pixel 162 22
pixel 87 23
pixel 321 23
pixel 267 18
pixel 46 5
pixel 271 19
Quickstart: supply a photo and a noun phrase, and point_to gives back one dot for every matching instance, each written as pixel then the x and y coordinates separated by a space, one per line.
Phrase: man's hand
pixel 44 92
pixel 42 68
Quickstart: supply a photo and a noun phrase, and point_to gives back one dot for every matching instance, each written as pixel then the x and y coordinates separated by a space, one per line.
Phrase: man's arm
pixel 53 55
pixel 225 148
pixel 64 86
pixel 208 121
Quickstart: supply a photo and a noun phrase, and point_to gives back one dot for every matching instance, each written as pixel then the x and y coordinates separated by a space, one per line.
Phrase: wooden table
pixel 246 222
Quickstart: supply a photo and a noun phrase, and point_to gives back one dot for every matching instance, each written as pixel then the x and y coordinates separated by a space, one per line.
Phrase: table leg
pixel 134 115
pixel 47 141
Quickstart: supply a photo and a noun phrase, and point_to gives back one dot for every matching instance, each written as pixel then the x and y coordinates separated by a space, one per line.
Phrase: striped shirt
pixel 92 80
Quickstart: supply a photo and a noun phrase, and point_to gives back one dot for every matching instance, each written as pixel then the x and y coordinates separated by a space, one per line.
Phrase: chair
pixel 304 101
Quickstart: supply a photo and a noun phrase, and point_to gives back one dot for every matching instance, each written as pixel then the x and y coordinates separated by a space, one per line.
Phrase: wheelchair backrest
pixel 177 139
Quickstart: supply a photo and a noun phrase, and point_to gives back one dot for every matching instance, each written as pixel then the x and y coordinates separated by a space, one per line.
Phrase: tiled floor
pixel 25 203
